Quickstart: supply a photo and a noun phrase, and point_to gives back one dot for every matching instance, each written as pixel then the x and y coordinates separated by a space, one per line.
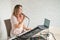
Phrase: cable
pixel 28 22
pixel 52 35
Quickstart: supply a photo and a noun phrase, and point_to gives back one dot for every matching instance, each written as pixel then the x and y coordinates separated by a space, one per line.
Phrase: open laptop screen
pixel 46 22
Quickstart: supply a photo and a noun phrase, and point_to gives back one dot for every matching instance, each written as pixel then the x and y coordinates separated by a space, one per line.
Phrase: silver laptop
pixel 46 23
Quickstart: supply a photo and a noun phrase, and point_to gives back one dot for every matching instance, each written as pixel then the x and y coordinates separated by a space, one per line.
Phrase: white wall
pixel 36 10
pixel 5 9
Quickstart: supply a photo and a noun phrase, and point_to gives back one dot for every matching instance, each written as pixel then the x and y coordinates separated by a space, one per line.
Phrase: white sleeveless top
pixel 15 31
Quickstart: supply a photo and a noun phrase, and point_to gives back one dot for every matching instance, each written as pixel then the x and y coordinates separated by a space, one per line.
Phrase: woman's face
pixel 20 10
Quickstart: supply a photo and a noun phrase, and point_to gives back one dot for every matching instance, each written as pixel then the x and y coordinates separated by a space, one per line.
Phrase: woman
pixel 17 19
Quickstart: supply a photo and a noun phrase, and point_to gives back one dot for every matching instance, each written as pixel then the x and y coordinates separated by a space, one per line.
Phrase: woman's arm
pixel 16 25
pixel 21 18
pixel 26 27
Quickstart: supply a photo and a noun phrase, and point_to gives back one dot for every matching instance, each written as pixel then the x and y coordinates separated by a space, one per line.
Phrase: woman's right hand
pixel 21 18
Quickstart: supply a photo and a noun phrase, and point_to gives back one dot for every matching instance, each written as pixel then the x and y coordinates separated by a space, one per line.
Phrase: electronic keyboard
pixel 30 33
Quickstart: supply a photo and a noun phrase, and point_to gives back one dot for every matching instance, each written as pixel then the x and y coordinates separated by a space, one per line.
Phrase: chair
pixel 8 26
